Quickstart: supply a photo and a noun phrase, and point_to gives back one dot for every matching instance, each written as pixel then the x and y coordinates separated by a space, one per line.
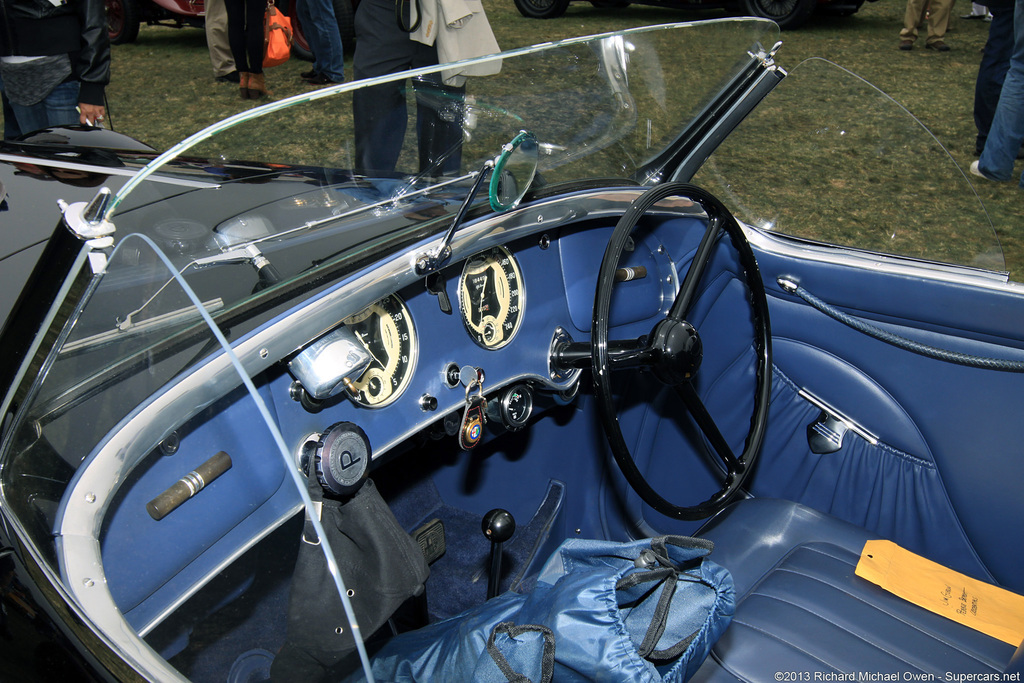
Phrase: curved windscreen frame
pixel 627 60
pixel 112 549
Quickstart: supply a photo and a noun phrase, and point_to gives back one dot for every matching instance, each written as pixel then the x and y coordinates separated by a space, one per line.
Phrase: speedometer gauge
pixel 491 297
pixel 385 329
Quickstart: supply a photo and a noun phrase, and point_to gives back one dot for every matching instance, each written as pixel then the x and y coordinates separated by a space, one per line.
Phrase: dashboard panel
pixel 422 354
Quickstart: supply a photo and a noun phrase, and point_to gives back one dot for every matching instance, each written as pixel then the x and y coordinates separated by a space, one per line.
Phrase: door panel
pixel 947 474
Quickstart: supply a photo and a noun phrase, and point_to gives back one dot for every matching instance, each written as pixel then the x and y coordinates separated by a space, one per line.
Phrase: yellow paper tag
pixel 990 609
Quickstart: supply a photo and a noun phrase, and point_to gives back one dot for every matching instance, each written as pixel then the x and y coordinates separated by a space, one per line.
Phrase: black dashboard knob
pixel 342 458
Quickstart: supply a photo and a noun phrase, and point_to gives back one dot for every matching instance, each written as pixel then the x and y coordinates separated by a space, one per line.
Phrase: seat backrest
pixel 1016 665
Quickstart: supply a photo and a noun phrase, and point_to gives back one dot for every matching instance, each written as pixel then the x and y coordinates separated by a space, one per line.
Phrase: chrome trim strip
pixel 890 264
pixel 851 424
pixel 104 170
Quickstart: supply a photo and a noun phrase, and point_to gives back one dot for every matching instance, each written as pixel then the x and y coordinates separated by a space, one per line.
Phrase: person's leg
pixel 911 18
pixel 380 113
pixel 255 14
pixel 439 113
pixel 11 128
pixel 381 116
pixel 236 34
pixel 217 38
pixel 56 109
pixel 306 21
pixel 938 20
pixel 995 60
pixel 1007 132
pixel 62 105
pixel 325 40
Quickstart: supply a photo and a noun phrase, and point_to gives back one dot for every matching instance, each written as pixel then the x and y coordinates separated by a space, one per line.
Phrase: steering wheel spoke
pixel 707 425
pixel 674 351
pixel 688 289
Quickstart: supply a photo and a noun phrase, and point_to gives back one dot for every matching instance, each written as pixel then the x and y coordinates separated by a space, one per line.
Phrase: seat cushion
pixel 801 609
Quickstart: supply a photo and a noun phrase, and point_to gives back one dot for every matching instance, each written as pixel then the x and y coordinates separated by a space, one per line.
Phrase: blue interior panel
pixel 953 417
pixel 206 529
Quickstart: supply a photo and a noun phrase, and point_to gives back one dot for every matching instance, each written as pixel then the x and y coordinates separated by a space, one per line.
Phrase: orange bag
pixel 277 37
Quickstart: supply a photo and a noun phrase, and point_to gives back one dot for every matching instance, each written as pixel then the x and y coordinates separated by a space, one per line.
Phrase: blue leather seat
pixel 801 609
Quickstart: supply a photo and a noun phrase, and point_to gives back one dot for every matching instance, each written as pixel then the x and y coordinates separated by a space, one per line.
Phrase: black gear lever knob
pixel 498 526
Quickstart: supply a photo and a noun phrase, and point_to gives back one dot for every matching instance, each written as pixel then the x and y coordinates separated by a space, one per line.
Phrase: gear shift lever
pixel 498 526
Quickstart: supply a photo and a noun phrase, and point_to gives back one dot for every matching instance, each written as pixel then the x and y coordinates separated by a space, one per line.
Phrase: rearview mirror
pixel 513 172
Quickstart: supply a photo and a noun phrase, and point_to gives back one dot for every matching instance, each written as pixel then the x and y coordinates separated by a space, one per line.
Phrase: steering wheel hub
pixel 679 351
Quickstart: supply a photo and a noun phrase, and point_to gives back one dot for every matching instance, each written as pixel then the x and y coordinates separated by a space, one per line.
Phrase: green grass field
pixel 162 87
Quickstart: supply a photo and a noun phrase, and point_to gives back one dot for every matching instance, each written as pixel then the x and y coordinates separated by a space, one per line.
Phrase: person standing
pixel 54 64
pixel 995 61
pixel 217 42
pixel 938 12
pixel 1007 132
pixel 245 35
pixel 321 30
pixel 384 47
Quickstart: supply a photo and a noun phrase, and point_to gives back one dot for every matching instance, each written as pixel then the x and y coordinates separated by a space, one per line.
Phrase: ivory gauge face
pixel 385 328
pixel 491 297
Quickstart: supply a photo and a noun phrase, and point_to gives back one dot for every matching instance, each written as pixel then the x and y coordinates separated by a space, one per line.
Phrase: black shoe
pixel 306 75
pixel 938 45
pixel 906 45
pixel 228 78
pixel 321 79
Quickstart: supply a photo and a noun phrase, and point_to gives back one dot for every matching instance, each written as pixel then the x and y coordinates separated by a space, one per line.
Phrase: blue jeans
pixel 1007 132
pixel 321 29
pixel 995 61
pixel 59 108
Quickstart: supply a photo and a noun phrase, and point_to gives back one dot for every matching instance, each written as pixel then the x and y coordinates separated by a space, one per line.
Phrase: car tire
pixel 122 21
pixel 344 14
pixel 788 14
pixel 542 9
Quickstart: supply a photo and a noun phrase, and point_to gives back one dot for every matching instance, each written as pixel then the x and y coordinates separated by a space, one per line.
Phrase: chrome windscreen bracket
pixel 767 59
pixel 87 221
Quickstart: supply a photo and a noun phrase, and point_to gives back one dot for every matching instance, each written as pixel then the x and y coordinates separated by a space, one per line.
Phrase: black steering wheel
pixel 673 351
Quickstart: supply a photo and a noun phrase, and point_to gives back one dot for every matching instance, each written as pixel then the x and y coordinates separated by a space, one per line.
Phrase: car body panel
pixel 172 345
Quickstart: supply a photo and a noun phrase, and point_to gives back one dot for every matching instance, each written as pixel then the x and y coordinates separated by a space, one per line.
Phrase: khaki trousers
pixel 939 12
pixel 217 38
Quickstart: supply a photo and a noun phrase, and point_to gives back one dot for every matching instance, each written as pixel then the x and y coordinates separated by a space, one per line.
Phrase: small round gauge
pixel 491 296
pixel 386 330
pixel 517 406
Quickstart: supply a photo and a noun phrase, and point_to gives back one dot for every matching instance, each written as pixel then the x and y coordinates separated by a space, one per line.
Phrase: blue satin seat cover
pixel 597 624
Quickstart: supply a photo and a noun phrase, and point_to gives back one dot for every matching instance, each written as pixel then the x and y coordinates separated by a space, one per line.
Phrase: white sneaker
pixel 977 171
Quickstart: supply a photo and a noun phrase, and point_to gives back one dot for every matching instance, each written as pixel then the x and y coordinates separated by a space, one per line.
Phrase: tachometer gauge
pixel 386 330
pixel 491 297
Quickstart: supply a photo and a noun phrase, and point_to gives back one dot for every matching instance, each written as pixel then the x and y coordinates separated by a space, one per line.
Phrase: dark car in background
pixel 625 286
pixel 788 14
pixel 125 17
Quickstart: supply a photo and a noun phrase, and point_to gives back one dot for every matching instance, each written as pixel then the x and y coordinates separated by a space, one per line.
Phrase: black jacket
pixel 77 28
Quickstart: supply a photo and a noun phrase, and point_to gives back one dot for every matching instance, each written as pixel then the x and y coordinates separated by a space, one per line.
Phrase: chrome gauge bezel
pixel 508 316
pixel 398 368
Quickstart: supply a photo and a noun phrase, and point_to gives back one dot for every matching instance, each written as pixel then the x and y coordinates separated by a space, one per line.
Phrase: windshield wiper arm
pixel 433 260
